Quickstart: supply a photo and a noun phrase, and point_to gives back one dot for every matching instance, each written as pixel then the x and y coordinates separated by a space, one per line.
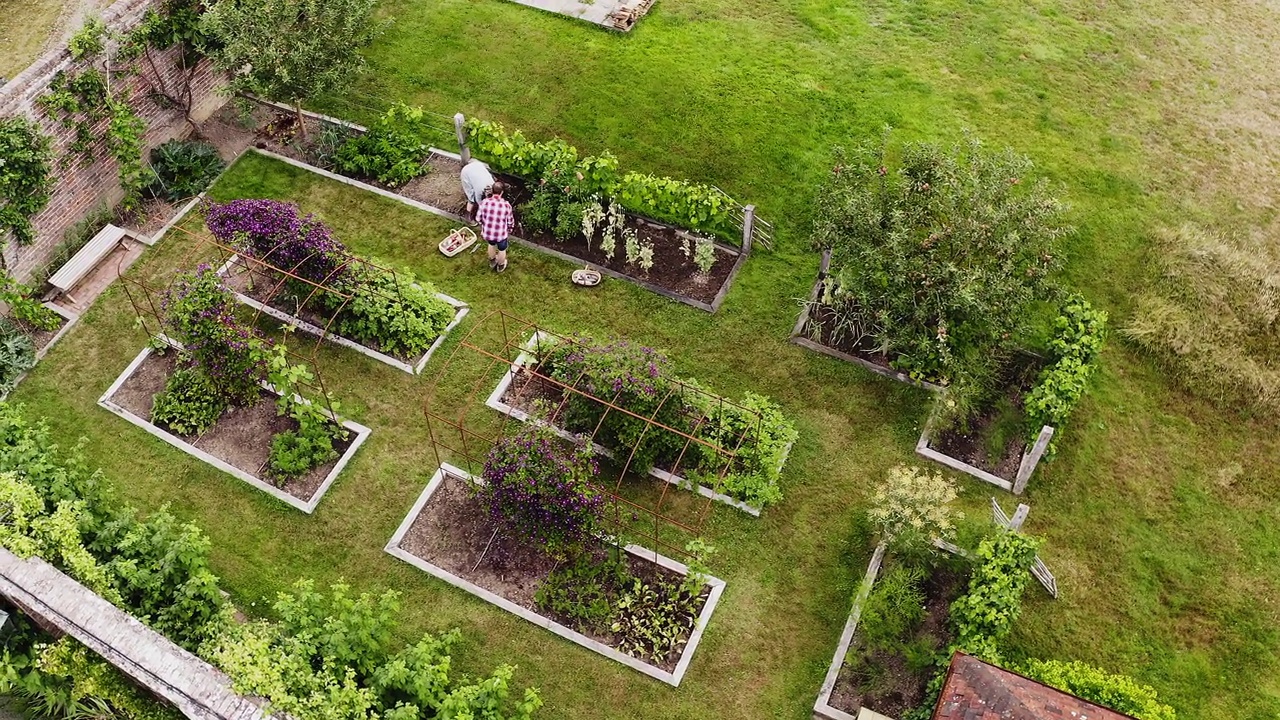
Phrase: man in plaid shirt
pixel 496 220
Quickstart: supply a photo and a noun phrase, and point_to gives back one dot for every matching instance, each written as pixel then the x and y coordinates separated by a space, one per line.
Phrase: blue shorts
pixel 500 244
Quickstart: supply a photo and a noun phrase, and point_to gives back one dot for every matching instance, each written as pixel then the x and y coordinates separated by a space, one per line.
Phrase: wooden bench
pixel 84 261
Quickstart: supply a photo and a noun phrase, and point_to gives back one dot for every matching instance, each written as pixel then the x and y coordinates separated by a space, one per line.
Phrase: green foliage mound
pixel 936 254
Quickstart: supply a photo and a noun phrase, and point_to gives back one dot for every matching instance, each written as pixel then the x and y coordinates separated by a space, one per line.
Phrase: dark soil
pixel 42 338
pixel 884 681
pixel 441 187
pixel 1000 424
pixel 671 271
pixel 258 285
pixel 454 531
pixel 821 329
pixel 241 437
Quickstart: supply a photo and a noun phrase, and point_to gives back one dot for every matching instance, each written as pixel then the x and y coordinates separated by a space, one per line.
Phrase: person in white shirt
pixel 476 181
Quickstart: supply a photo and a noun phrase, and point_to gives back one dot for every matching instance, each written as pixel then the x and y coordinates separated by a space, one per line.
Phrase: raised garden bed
pixel 251 287
pixel 879 679
pixel 813 331
pixel 239 443
pixel 451 536
pixel 995 447
pixel 513 396
pixel 673 275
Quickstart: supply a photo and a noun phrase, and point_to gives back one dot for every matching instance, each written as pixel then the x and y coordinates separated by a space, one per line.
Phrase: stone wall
pixel 82 185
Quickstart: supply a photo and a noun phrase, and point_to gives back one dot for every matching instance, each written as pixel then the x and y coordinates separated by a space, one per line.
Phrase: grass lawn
pixel 25 25
pixel 1160 513
pixel 1162 546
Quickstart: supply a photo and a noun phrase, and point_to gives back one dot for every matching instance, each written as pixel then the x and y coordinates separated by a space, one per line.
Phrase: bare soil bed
pixel 671 271
pixel 885 681
pixel 241 437
pixel 455 532
pixel 996 439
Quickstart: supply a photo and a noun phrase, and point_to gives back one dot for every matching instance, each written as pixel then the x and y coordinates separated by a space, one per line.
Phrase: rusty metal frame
pixel 280 278
pixel 146 293
pixel 460 436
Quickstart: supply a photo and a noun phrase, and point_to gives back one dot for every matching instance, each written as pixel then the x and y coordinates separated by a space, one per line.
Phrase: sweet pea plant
pixel 278 233
pixel 390 312
pixel 542 493
pixel 199 313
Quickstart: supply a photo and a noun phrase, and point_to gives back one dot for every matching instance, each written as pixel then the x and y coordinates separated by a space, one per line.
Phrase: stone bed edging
pixel 307 506
pixel 495 401
pixel 672 678
pixel 460 310
pixel 821 706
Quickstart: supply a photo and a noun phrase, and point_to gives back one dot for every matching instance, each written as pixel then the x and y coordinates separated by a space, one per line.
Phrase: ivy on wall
pixel 25 176
pixel 81 101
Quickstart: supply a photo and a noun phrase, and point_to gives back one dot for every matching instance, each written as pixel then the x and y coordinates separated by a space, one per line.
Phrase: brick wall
pixel 83 185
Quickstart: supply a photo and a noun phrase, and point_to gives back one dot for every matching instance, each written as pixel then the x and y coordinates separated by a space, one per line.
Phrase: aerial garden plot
pixel 755 471
pixel 681 239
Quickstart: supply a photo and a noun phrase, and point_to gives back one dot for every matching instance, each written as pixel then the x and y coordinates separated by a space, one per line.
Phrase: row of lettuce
pixel 394 149
pixel 327 654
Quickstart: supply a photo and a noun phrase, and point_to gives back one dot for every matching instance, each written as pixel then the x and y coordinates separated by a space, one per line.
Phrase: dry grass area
pixel 1213 308
pixel 1214 66
pixel 28 28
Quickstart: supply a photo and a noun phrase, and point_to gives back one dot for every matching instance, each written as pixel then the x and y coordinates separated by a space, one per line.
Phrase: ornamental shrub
pixel 1118 692
pixel 541 492
pixel 181 169
pixel 936 254
pixel 278 233
pixel 199 314
pixel 155 567
pixel 329 657
pixel 912 507
pixel 17 354
pixel 983 616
